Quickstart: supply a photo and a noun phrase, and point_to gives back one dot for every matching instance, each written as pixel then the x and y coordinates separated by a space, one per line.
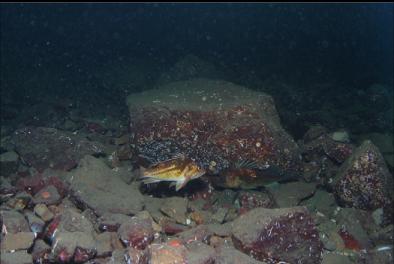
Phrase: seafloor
pixel 321 191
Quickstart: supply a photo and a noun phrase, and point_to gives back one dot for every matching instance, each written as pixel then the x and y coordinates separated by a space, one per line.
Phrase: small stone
pixel 106 243
pixel 37 225
pixel 175 208
pixel 42 211
pixel 220 215
pixel 168 253
pixel 137 233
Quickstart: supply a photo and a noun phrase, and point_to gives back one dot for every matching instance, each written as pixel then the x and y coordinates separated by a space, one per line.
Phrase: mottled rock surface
pixel 219 125
pixel 285 234
pixel 364 181
pixel 98 187
pixel 42 148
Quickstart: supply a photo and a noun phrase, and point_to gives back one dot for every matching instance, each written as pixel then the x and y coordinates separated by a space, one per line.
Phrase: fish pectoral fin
pixel 180 184
pixel 150 180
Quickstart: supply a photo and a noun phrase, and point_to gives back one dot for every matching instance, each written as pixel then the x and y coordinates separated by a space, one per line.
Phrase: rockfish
pixel 178 170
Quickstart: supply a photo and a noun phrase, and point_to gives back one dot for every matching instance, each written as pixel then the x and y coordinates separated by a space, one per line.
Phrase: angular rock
pixel 77 246
pixel 96 186
pixel 18 257
pixel 286 234
pixel 43 148
pixel 218 124
pixel 136 256
pixel 14 222
pixel 325 145
pixel 106 243
pixel 42 211
pixel 175 208
pixel 111 222
pixel 37 225
pixel 137 233
pixel 47 195
pixel 253 199
pixel 229 255
pixel 291 194
pixel 41 252
pixel 200 253
pixel 364 181
pixel 199 233
pixel 168 253
pixel 9 163
pixel 18 241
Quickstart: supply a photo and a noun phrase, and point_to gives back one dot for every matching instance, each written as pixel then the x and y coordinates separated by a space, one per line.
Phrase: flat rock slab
pixel 43 148
pixel 272 235
pixel 98 187
pixel 218 124
pixel 364 181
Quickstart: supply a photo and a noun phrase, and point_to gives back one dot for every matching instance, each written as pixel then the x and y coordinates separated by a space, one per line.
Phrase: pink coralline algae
pixel 274 235
pixel 364 181
pixel 218 125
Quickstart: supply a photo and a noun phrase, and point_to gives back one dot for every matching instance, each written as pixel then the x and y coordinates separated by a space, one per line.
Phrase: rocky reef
pixel 71 194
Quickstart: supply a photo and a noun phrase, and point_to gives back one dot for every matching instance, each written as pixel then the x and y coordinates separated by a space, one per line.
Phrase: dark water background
pixel 328 54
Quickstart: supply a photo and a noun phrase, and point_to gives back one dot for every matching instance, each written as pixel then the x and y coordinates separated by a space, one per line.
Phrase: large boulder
pixel 232 132
pixel 364 181
pixel 275 235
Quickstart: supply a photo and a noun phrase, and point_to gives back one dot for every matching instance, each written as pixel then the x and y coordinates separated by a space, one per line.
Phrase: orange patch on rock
pixel 45 195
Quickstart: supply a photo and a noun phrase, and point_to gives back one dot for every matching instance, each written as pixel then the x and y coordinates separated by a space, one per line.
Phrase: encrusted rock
pixel 253 199
pixel 230 131
pixel 137 233
pixel 286 234
pixel 169 253
pixel 364 181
